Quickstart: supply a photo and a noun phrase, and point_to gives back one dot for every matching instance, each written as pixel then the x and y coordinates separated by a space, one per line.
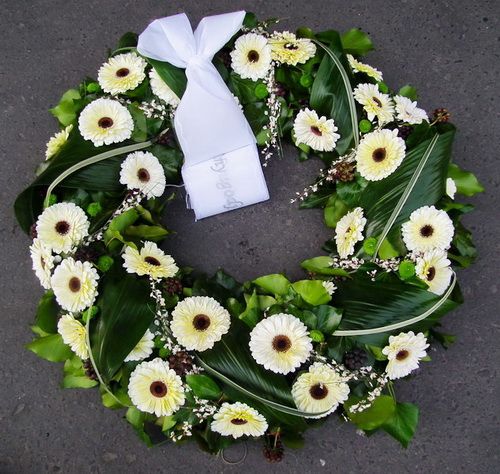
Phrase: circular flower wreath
pixel 209 358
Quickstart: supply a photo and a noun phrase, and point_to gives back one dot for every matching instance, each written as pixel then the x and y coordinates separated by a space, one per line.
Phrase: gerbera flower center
pixel 281 343
pixel 201 322
pixel 143 175
pixel 431 273
pixel 158 389
pixel 379 155
pixel 377 101
pixel 318 391
pixel 253 56
pixel 75 284
pixel 402 354
pixel 62 227
pixel 316 131
pixel 291 46
pixel 105 122
pixel 426 231
pixel 123 72
pixel 238 421
pixel 152 261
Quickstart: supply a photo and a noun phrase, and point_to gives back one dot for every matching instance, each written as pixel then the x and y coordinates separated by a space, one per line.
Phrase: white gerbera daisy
pixel 375 103
pixel 43 262
pixel 121 73
pixel 251 57
pixel 150 260
pixel 57 141
pixel 404 353
pixel 318 133
pixel 73 334
pixel 321 389
pixel 358 66
pixel 74 284
pixel 142 170
pixel 451 188
pixel 428 228
pixel 162 90
pixel 199 322
pixel 155 388
pixel 143 348
pixel 349 231
pixel 280 343
pixel 105 121
pixel 434 268
pixel 379 154
pixel 62 226
pixel 238 419
pixel 288 49
pixel 407 111
pixel 329 286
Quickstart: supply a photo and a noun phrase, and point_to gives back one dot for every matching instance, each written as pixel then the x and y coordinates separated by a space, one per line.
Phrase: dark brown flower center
pixel 402 355
pixel 158 389
pixel 379 155
pixel 253 56
pixel 316 131
pixel 431 273
pixel 123 72
pixel 318 391
pixel 75 284
pixel 377 101
pixel 426 231
pixel 62 227
pixel 281 343
pixel 152 261
pixel 143 175
pixel 105 122
pixel 238 421
pixel 201 322
pixel 291 46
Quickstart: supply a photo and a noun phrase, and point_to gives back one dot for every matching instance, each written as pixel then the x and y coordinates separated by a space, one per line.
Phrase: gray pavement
pixel 449 50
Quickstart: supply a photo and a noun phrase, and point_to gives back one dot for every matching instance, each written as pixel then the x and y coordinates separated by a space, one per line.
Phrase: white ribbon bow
pixel 221 168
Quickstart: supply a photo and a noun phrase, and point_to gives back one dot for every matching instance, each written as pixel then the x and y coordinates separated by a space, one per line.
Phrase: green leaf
pixel 137 419
pixel 68 107
pixel 335 209
pixel 387 251
pixel 204 387
pixel 78 381
pixel 356 42
pixel 376 352
pixel 403 423
pixel 467 183
pixel 126 312
pixel 252 312
pixel 275 283
pixel 408 91
pixel 323 266
pixel 50 348
pixel 328 318
pixel 381 410
pixel 312 292
pixel 46 313
pixel 153 233
pixel 350 193
pixel 171 160
pixel 140 132
pixel 128 40
pixel 174 77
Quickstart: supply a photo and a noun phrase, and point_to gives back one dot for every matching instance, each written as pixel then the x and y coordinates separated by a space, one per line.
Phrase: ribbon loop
pixel 221 168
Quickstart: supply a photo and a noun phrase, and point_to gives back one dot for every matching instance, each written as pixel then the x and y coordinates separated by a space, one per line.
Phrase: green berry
pixel 104 263
pixel 365 126
pixel 261 91
pixel 382 86
pixel 93 87
pixel 369 245
pixel 317 336
pixel 306 80
pixel 94 208
pixel 406 269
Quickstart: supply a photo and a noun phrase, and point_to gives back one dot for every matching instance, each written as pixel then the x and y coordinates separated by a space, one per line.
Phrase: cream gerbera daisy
pixel 105 121
pixel 142 170
pixel 73 334
pixel 321 389
pixel 428 228
pixel 349 231
pixel 238 419
pixel 379 154
pixel 408 112
pixel 199 322
pixel 150 260
pixel 375 103
pixel 155 388
pixel 162 90
pixel 74 284
pixel 288 49
pixel 143 348
pixel 451 188
pixel 404 353
pixel 280 343
pixel 251 57
pixel 62 226
pixel 121 73
pixel 434 268
pixel 358 66
pixel 318 133
pixel 57 142
pixel 43 262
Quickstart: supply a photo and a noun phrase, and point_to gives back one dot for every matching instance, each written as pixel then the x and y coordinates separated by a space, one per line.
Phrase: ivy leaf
pixel 403 423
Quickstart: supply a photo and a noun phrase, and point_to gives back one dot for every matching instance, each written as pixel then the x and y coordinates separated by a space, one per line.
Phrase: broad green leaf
pixel 119 224
pixel 350 193
pixel 174 77
pixel 140 132
pixel 323 266
pixel 171 160
pixel 203 386
pixel 408 91
pixel 376 352
pixel 328 318
pixel 67 109
pixel 467 183
pixel 356 42
pixel 153 233
pixel 275 283
pixel 381 410
pixel 335 209
pixel 46 313
pixel 403 423
pixel 128 40
pixel 252 312
pixel 78 381
pixel 50 348
pixel 387 251
pixel 312 292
